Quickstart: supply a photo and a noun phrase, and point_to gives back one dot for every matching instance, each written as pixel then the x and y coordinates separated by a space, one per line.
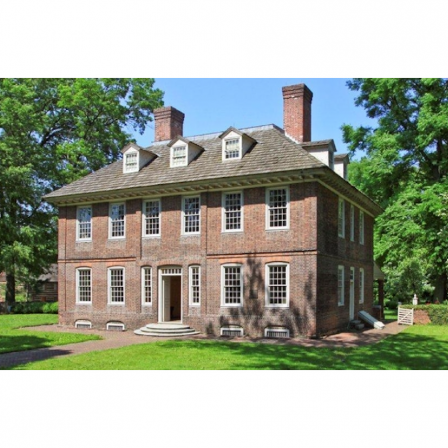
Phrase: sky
pixel 213 104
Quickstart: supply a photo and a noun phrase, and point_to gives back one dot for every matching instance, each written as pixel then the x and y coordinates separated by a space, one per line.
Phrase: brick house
pixel 251 231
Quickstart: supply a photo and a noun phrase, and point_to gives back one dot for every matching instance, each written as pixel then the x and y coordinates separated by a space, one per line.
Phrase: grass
pixel 417 348
pixel 390 314
pixel 13 338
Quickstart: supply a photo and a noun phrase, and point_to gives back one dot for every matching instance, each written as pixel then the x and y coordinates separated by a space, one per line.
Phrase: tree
pixel 52 132
pixel 405 169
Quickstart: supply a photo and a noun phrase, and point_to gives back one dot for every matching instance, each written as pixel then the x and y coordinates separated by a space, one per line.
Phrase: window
pixel 232 212
pixel 84 285
pixel 84 223
pixel 151 217
pixel 341 218
pixel 232 285
pixel 277 208
pixel 179 156
pixel 131 162
pixel 352 222
pixel 195 285
pixel 116 286
pixel 232 149
pixel 117 221
pixel 146 286
pixel 191 215
pixel 341 285
pixel 277 285
pixel 361 227
pixel 361 285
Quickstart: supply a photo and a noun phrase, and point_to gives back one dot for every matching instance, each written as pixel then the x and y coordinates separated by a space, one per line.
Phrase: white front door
pixel 166 294
pixel 352 294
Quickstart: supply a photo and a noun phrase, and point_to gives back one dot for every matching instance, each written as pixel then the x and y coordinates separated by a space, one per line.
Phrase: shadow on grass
pixel 402 351
pixel 17 343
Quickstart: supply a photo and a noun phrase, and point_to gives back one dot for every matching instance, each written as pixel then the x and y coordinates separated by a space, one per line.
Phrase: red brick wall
pixel 312 214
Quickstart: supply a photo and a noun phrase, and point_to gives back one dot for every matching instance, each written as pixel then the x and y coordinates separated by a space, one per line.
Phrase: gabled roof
pixel 138 148
pixel 237 131
pixel 272 155
pixel 186 141
pixel 340 157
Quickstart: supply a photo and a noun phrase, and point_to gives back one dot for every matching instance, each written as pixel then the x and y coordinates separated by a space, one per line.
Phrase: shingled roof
pixel 273 153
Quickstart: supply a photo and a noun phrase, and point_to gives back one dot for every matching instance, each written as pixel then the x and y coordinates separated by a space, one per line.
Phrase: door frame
pixel 169 271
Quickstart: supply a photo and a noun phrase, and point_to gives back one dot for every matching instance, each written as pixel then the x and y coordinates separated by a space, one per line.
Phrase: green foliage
pixel 52 132
pixel 437 313
pixel 34 308
pixel 405 169
pixel 391 304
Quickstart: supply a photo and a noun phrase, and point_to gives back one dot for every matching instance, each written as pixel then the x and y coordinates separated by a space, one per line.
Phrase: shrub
pixel 34 308
pixel 391 305
pixel 50 308
pixel 437 313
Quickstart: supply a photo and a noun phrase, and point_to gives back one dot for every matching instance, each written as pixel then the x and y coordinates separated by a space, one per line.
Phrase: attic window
pixel 179 156
pixel 131 162
pixel 232 149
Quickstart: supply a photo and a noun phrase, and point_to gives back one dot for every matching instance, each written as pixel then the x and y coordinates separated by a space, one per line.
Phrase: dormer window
pixel 131 162
pixel 179 156
pixel 232 149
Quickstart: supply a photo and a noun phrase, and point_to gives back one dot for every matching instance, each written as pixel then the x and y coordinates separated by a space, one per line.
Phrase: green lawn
pixel 418 348
pixel 13 339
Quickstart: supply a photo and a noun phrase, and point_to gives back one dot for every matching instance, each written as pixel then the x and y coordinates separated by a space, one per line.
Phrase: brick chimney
pixel 297 112
pixel 169 123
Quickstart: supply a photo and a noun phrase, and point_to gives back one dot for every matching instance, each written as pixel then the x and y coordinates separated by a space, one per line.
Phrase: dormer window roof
pixel 235 144
pixel 183 152
pixel 135 158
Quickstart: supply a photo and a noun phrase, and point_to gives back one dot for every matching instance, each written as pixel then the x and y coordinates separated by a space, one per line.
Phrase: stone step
pixel 166 330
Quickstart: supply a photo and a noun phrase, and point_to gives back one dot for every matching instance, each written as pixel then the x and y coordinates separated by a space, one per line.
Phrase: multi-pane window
pixel 278 208
pixel 341 218
pixel 352 222
pixel 361 227
pixel 191 215
pixel 131 162
pixel 277 281
pixel 84 223
pixel 179 157
pixel 146 286
pixel 151 213
pixel 117 221
pixel 84 285
pixel 361 285
pixel 195 285
pixel 341 288
pixel 232 208
pixel 116 285
pixel 232 149
pixel 232 286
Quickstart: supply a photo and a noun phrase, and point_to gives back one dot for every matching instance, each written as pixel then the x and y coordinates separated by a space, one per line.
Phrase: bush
pixel 391 305
pixel 34 308
pixel 437 313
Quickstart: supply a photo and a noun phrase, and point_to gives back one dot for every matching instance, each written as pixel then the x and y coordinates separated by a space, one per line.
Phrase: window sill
pixel 284 307
pixel 152 237
pixel 278 229
pixel 84 241
pixel 232 306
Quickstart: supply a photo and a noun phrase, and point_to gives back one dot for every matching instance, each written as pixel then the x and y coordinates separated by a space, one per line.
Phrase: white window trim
pixel 133 170
pixel 223 214
pixel 352 222
pixel 190 286
pixel 341 234
pixel 109 298
pixel 232 305
pixel 172 156
pixel 78 302
pixel 224 149
pixel 110 221
pixel 142 274
pixel 341 269
pixel 78 239
pixel 144 235
pixel 288 202
pixel 183 215
pixel 361 227
pixel 266 282
pixel 361 285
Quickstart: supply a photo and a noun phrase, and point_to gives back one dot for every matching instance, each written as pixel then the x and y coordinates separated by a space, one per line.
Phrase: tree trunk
pixel 440 291
pixel 10 289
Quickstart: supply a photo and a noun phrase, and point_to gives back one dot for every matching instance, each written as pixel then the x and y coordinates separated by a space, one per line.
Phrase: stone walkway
pixel 113 339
